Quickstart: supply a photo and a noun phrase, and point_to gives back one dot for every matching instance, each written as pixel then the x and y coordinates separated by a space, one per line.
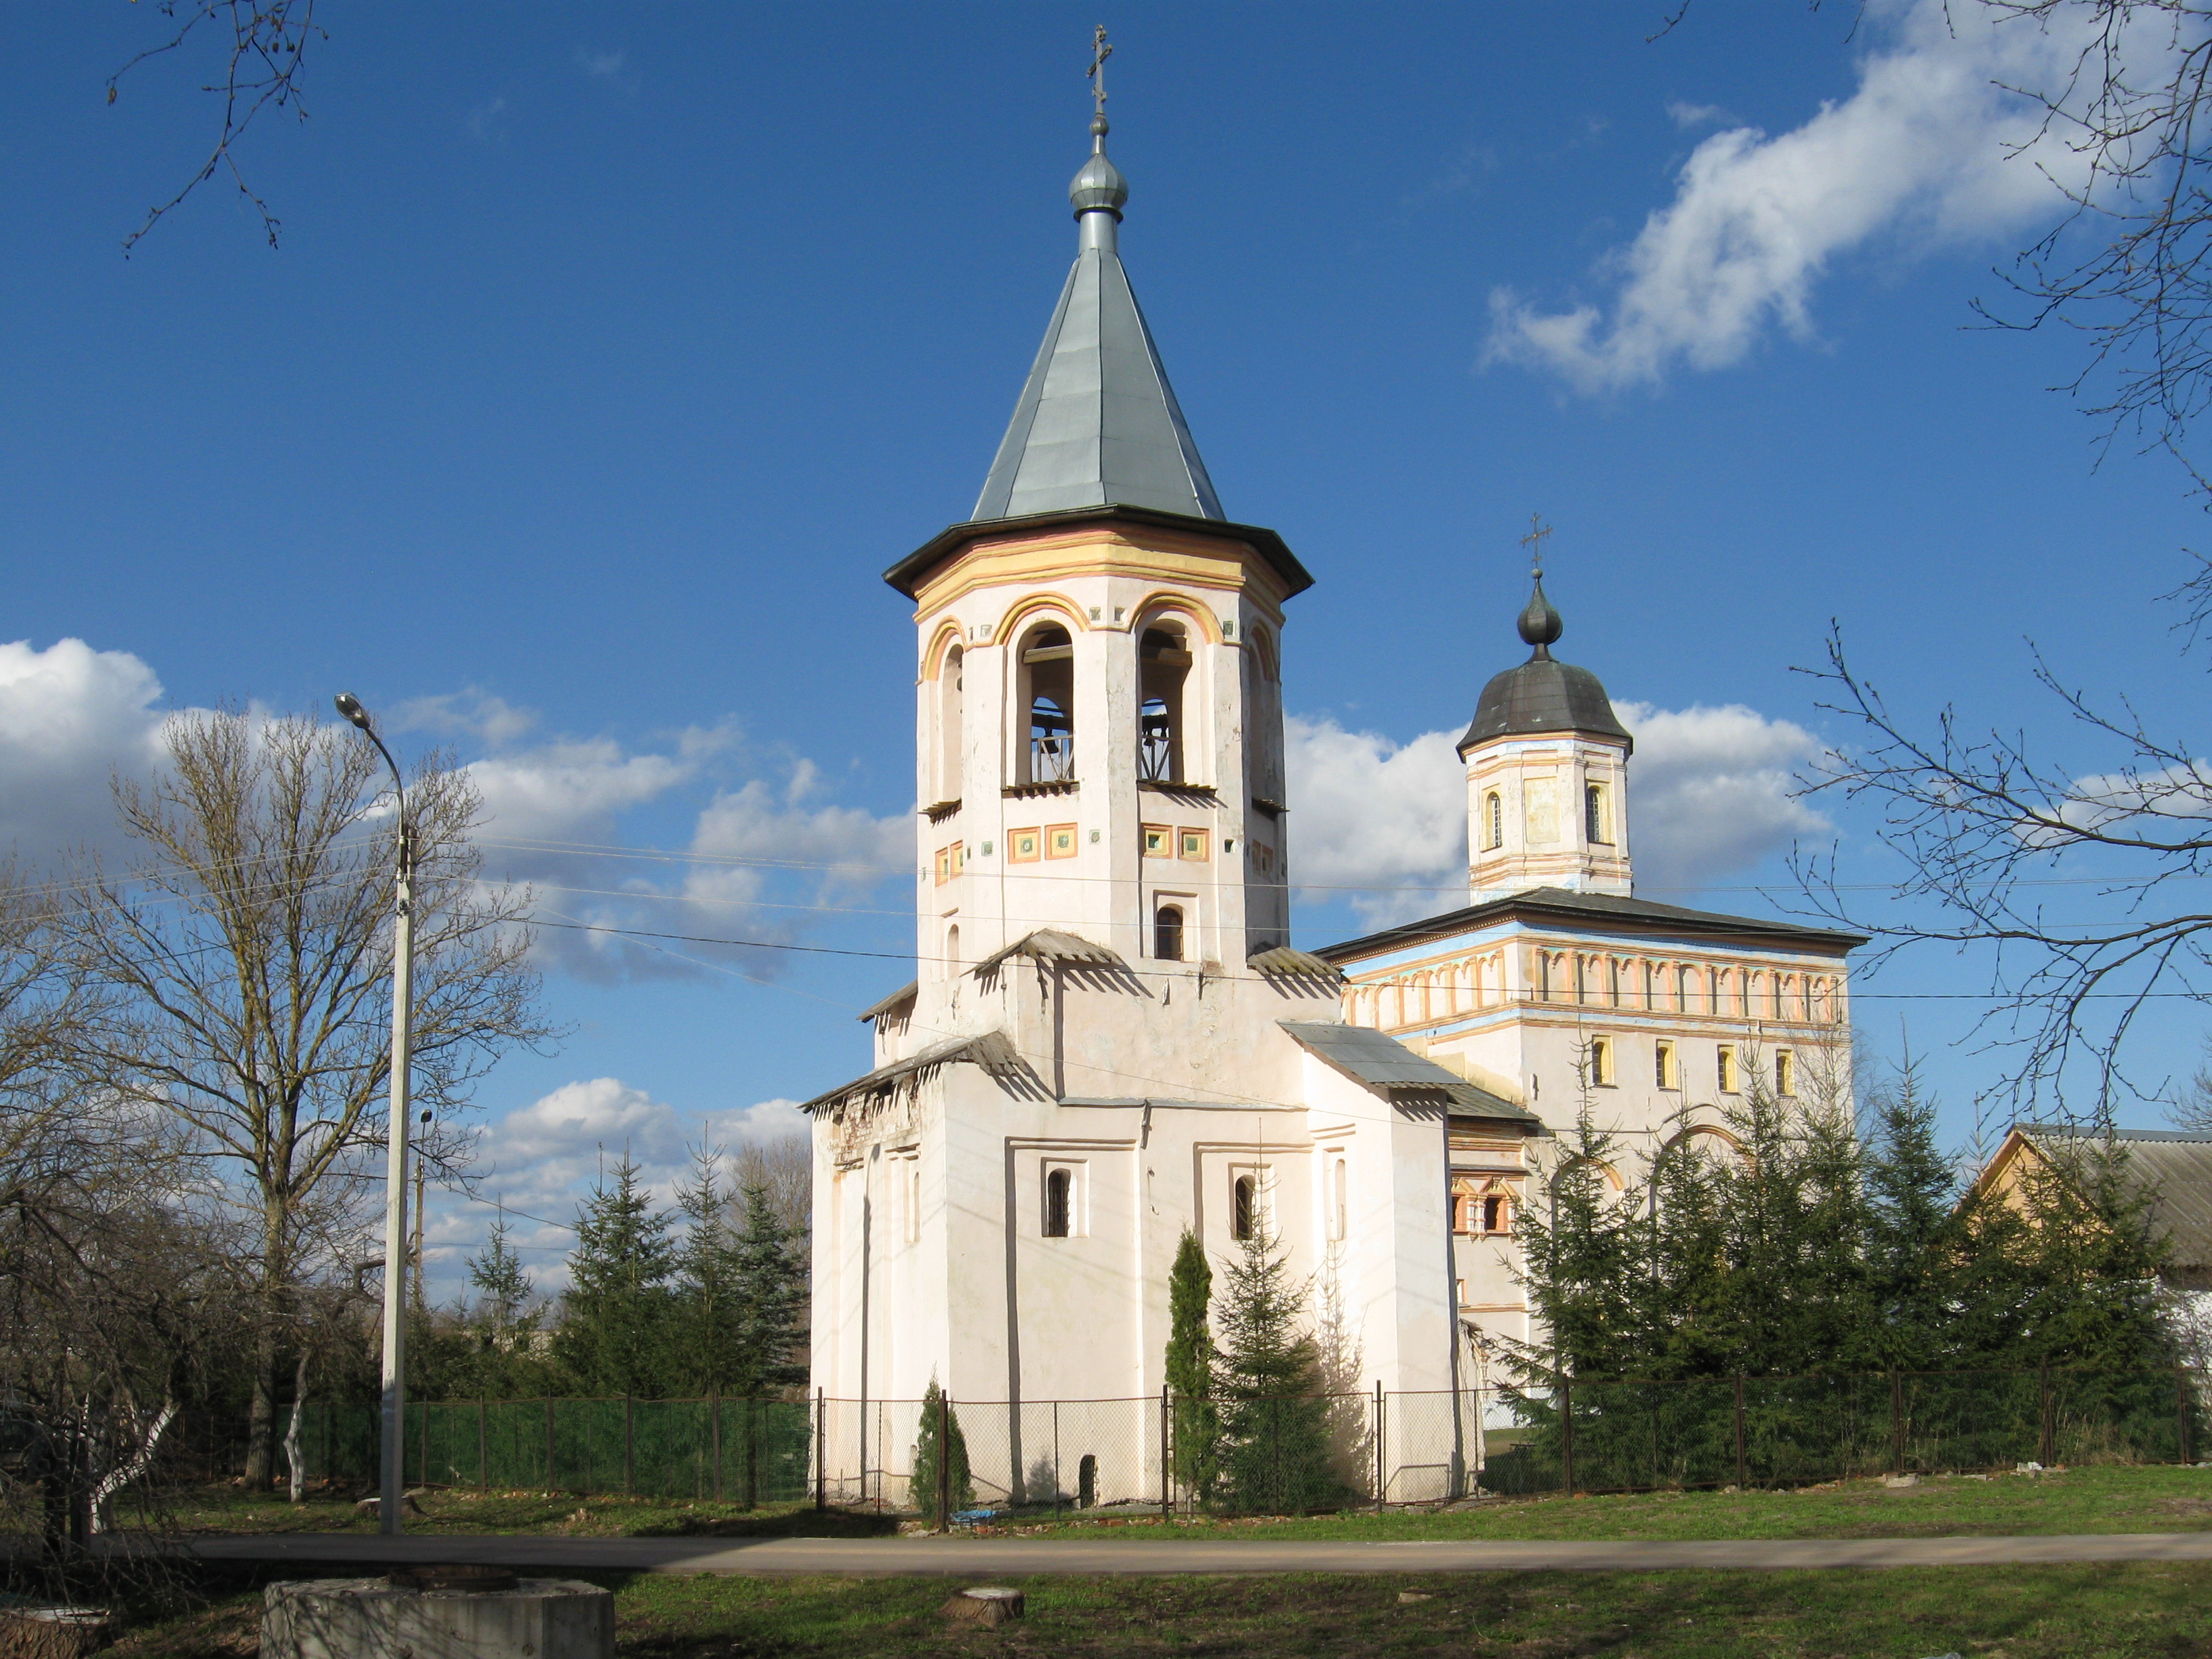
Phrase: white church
pixel 1111 1038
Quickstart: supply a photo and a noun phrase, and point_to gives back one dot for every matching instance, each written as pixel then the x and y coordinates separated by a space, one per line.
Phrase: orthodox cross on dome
pixel 1100 50
pixel 1533 541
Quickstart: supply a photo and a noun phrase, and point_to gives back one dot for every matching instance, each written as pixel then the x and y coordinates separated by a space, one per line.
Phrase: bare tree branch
pixel 263 58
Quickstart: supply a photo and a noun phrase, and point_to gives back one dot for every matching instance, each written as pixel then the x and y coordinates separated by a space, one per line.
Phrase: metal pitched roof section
pixel 1097 424
pixel 2172 1170
pixel 1386 1065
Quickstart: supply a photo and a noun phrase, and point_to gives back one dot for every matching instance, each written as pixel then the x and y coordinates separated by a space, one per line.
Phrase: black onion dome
pixel 1543 697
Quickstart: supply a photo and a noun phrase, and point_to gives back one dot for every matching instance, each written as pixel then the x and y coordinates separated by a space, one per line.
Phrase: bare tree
pixel 2132 104
pixel 263 47
pixel 2078 886
pixel 246 959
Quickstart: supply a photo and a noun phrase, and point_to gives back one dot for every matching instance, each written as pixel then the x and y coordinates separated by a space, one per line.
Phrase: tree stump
pixel 988 1607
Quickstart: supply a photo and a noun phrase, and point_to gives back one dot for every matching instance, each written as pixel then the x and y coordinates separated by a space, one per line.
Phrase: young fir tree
pixel 1912 1234
pixel 613 1335
pixel 1191 1369
pixel 504 1291
pixel 705 1307
pixel 1586 1268
pixel 1274 1453
pixel 938 1442
pixel 769 1276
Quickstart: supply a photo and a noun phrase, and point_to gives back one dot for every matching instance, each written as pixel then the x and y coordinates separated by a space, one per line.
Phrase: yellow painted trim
pixel 1161 602
pixel 1198 562
pixel 948 635
pixel 1018 616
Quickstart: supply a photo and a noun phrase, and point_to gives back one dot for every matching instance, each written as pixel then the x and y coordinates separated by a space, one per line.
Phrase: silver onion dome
pixel 1100 185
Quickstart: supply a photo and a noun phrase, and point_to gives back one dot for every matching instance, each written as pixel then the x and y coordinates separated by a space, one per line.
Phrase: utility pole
pixel 391 1461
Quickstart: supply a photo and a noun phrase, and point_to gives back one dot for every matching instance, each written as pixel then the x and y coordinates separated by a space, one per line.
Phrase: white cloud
pixel 475 713
pixel 1369 813
pixel 1686 116
pixel 70 717
pixel 1920 154
pixel 611 67
pixel 1709 796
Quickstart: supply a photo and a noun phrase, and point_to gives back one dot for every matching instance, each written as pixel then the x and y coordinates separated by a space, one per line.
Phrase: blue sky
pixel 612 353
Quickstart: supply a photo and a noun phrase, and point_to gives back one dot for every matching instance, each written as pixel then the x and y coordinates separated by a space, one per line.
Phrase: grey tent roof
pixel 1383 1063
pixel 2171 1167
pixel 1097 424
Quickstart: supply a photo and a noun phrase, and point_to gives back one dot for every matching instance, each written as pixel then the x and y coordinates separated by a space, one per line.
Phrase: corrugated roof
pixel 1383 1063
pixel 1559 903
pixel 906 993
pixel 991 1051
pixel 1050 945
pixel 1283 960
pixel 2171 1167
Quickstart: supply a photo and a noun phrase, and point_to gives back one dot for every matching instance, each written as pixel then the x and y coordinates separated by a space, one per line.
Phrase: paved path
pixel 986 1558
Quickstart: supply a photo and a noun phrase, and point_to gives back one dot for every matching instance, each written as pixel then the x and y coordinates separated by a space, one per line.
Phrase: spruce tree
pixel 769 1276
pixel 613 1336
pixel 1912 1234
pixel 707 1307
pixel 504 1290
pixel 1191 1369
pixel 1586 1266
pixel 1275 1456
pixel 938 1437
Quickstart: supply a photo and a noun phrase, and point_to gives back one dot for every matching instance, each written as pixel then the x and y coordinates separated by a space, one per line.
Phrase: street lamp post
pixel 392 1460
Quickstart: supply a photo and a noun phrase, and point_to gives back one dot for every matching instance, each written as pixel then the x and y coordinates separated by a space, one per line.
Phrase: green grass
pixel 2128 1612
pixel 2096 1499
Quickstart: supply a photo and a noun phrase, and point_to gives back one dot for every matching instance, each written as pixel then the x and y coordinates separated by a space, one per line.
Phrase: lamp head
pixel 350 706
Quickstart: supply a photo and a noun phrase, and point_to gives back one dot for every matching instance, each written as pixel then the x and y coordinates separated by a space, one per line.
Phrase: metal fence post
pixel 630 1445
pixel 483 1461
pixel 1381 1408
pixel 1896 1423
pixel 1742 1465
pixel 2047 1428
pixel 714 1418
pixel 1167 1460
pixel 549 1487
pixel 754 1416
pixel 2181 1412
pixel 821 1467
pixel 1567 1433
pixel 944 1462
pixel 422 1458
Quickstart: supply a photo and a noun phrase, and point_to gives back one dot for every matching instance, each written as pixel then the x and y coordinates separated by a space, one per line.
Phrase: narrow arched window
pixel 1340 1211
pixel 1086 1481
pixel 1056 1194
pixel 951 680
pixel 1243 1207
pixel 1167 933
pixel 1595 830
pixel 1163 667
pixel 1048 678
pixel 1493 809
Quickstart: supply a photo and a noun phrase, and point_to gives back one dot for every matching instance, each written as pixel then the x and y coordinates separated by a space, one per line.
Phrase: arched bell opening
pixel 1163 662
pixel 1047 661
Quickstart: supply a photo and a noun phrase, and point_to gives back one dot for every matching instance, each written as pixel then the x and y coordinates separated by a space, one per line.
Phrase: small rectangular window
pixel 1194 845
pixel 1059 841
pixel 1024 846
pixel 1785 1073
pixel 1159 842
pixel 1724 1067
pixel 1600 1062
pixel 1063 1196
pixel 1662 1071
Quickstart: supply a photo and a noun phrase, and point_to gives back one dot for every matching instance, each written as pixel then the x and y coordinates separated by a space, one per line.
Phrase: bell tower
pixel 1546 773
pixel 1099 711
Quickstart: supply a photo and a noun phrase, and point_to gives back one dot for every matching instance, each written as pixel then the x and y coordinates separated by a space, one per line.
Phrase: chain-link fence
pixel 1159 1456
pixel 748 1451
